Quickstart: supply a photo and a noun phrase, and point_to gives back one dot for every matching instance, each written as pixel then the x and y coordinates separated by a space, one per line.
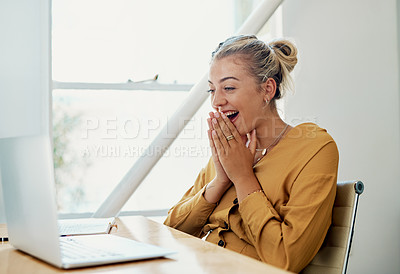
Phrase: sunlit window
pixel 120 70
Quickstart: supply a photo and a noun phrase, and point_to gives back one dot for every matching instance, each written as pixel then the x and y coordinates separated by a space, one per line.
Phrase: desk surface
pixel 194 255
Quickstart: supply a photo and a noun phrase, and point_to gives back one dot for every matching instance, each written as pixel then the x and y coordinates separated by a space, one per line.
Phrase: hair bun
pixel 286 52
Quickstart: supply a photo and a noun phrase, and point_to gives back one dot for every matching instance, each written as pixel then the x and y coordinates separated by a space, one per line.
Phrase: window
pixel 120 70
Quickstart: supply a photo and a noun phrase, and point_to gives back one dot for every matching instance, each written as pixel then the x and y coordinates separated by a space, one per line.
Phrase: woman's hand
pixel 234 156
pixel 217 187
pixel 221 174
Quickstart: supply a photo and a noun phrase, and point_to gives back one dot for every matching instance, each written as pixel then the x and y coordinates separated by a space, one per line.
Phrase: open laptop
pixel 27 177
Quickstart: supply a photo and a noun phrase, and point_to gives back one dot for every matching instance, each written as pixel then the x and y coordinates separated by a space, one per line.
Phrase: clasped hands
pixel 233 159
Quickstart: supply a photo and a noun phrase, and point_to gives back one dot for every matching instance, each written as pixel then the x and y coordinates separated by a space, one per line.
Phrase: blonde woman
pixel 268 190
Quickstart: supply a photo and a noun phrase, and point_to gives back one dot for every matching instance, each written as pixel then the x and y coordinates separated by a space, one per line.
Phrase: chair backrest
pixel 334 253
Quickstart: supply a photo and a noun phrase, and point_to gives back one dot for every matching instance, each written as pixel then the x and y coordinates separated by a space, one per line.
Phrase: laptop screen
pixel 27 177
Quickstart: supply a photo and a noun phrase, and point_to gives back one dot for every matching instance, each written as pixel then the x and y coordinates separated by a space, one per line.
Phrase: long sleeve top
pixel 284 225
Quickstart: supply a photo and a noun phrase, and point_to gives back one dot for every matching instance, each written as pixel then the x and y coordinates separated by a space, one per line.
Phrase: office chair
pixel 333 255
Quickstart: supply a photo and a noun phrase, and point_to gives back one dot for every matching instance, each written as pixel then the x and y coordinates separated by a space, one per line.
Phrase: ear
pixel 269 89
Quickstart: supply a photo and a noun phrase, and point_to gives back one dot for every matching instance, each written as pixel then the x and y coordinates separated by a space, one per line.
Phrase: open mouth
pixel 232 115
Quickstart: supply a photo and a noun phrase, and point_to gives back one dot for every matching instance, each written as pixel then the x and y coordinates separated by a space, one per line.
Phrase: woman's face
pixel 236 94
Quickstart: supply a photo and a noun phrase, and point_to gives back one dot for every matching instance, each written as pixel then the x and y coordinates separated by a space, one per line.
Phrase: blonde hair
pixel 275 59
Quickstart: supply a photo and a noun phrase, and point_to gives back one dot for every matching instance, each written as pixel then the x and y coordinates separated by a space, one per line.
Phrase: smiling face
pixel 237 94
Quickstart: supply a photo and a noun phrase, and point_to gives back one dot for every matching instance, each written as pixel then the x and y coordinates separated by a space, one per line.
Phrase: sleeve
pixel 292 238
pixel 191 213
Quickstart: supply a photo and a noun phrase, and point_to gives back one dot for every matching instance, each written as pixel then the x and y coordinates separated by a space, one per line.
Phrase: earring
pixel 266 101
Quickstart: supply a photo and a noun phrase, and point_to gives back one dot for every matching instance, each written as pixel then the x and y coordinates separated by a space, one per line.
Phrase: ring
pixel 230 137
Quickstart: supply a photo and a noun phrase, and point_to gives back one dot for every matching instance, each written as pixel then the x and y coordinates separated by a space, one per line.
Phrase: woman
pixel 268 190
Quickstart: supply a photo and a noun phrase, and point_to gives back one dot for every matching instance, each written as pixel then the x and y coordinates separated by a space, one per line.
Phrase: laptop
pixel 27 177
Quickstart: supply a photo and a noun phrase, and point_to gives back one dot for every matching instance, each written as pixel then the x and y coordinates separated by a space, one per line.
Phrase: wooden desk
pixel 194 255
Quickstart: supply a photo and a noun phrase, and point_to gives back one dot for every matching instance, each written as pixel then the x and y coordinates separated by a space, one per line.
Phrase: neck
pixel 269 131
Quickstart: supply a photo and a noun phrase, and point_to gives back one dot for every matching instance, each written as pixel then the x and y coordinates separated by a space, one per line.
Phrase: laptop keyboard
pixel 68 229
pixel 72 249
pixel 84 226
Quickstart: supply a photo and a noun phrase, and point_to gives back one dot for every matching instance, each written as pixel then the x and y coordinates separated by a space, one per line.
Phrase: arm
pixel 291 239
pixel 191 213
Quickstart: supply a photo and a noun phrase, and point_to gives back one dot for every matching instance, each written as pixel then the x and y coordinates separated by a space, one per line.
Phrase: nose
pixel 218 99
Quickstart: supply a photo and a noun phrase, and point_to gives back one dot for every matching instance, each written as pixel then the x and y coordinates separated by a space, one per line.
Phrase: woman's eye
pixel 229 88
pixel 210 90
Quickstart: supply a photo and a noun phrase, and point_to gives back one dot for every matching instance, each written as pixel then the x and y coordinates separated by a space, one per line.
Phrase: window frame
pixel 150 85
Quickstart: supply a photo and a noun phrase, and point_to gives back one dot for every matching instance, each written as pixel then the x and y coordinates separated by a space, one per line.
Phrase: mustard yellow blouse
pixel 286 223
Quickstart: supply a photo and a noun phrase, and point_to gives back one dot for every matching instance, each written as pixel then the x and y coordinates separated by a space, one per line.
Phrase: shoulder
pixel 309 133
pixel 309 138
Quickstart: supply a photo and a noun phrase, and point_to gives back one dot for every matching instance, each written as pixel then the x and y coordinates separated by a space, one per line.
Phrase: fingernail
pixel 214 120
pixel 217 114
pixel 223 115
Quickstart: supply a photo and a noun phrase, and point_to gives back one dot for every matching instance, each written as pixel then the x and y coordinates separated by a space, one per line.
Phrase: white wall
pixel 24 69
pixel 348 82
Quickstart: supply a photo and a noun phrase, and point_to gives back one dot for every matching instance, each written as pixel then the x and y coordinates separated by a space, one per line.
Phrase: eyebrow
pixel 224 79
